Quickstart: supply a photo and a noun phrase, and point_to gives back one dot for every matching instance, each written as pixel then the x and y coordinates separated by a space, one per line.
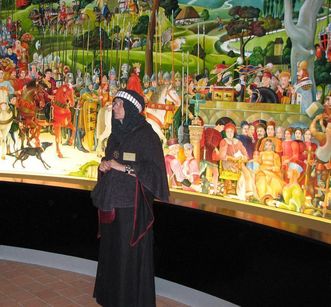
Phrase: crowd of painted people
pixel 262 162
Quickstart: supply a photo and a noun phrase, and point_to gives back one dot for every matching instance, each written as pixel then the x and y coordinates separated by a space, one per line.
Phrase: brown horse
pixel 63 100
pixel 29 104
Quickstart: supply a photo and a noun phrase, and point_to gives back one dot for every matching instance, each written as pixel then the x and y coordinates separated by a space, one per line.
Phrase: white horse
pixel 103 127
pixel 6 119
pixel 162 101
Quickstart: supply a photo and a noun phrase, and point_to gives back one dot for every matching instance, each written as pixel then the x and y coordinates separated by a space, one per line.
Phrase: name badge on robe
pixel 129 156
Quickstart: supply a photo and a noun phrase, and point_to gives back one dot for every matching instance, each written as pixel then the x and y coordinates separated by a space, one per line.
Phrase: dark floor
pixel 37 286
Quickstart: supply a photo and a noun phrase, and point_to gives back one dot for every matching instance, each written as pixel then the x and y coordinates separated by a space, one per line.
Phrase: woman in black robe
pixel 132 174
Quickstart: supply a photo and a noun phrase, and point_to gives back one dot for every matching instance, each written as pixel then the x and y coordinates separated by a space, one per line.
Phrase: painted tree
pixel 244 25
pixel 302 34
pixel 322 69
pixel 149 39
pixel 169 6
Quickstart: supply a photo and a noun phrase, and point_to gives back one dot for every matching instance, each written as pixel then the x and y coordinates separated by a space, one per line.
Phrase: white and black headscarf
pixel 133 105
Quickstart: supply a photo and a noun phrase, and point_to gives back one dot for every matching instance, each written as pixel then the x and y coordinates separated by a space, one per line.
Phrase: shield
pixel 89 118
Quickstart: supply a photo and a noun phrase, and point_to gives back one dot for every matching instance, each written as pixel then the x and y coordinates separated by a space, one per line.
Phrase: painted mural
pixel 239 92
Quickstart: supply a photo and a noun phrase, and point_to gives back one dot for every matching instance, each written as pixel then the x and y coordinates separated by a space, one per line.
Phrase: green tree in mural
pixel 141 27
pixel 169 7
pixel 257 56
pixel 275 8
pixel 287 51
pixel 245 25
pixel 322 71
pixel 205 14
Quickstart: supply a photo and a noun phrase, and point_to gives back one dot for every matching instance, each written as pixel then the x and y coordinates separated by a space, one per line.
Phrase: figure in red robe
pixel 134 82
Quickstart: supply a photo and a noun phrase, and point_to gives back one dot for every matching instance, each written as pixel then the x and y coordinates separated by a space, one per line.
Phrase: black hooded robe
pixel 125 274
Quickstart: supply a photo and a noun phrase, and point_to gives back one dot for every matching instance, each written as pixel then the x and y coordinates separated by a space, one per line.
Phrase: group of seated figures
pixel 262 162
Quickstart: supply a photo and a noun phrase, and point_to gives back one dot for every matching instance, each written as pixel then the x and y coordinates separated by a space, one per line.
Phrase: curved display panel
pixel 244 114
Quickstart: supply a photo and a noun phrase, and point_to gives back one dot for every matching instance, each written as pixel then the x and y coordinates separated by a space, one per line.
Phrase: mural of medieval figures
pixel 238 94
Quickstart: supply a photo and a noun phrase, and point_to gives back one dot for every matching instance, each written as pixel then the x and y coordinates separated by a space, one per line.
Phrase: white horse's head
pixel 172 96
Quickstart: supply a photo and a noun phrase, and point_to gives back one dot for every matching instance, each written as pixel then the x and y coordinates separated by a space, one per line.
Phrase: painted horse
pixel 103 127
pixel 29 104
pixel 61 114
pixel 6 119
pixel 163 104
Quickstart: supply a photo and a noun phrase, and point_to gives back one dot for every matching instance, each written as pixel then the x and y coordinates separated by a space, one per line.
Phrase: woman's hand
pixel 105 166
pixel 115 165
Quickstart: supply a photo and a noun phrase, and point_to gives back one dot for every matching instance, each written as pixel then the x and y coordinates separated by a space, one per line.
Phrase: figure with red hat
pixel 210 142
pixel 233 156
pixel 134 82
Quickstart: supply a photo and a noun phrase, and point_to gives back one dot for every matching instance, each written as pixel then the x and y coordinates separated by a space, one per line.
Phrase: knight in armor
pixel 153 82
pixel 79 80
pixel 166 78
pixel 160 77
pixel 113 84
pixel 127 41
pixel 96 79
pixel 146 84
pixel 178 83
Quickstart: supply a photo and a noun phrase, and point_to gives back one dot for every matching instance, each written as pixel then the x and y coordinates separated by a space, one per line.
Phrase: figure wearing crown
pixel 134 82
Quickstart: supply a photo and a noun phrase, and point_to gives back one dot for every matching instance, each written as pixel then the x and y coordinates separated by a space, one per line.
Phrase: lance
pixel 121 46
pixel 66 44
pixel 117 46
pixel 112 44
pixel 129 46
pixel 187 74
pixel 172 50
pixel 204 45
pixel 108 35
pixel 83 60
pixel 198 53
pixel 183 81
pixel 160 40
pixel 156 45
pixel 88 39
pixel 100 46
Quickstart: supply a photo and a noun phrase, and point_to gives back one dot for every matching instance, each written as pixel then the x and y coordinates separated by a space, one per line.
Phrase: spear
pixel 100 46
pixel 183 81
pixel 187 74
pixel 198 64
pixel 172 48
pixel 117 46
pixel 83 60
pixel 121 46
pixel 160 41
pixel 156 46
pixel 112 44
pixel 204 45
pixel 129 32
pixel 108 35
